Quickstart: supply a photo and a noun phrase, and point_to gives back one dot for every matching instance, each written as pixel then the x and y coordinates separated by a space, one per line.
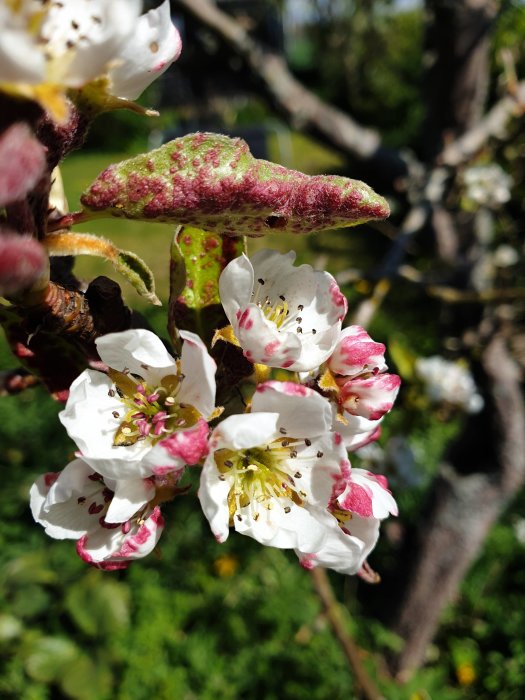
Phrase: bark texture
pixel 464 506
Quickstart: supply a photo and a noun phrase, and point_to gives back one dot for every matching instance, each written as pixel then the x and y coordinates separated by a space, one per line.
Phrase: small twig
pixel 493 125
pixel 332 610
pixel 509 69
pixel 450 295
pixel 302 106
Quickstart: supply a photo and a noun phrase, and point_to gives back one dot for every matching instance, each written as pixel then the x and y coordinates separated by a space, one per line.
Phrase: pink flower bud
pixel 23 161
pixel 22 262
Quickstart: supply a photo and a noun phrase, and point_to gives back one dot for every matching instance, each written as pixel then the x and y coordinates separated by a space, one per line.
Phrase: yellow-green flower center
pixel 151 412
pixel 260 476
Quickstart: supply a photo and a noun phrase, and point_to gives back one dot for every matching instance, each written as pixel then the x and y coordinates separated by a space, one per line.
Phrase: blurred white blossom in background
pixel 449 382
pixel 487 185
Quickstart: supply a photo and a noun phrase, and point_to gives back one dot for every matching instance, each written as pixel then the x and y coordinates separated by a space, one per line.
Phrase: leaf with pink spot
pixel 213 182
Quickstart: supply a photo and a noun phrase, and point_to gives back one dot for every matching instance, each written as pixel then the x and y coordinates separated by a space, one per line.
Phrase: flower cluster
pixel 487 185
pixel 449 383
pixel 278 471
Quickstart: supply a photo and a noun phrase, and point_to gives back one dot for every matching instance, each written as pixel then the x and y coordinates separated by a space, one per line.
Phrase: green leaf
pixel 197 260
pixel 98 605
pixel 404 359
pixel 48 657
pixel 83 680
pixel 10 628
pixel 213 182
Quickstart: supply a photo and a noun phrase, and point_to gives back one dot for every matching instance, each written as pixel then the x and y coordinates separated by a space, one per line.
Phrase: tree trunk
pixel 457 43
pixel 464 506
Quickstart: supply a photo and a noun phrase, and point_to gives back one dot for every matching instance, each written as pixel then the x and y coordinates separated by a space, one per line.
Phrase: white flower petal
pixel 115 547
pixel 89 421
pixel 240 432
pixel 73 479
pixel 357 431
pixel 198 368
pixel 72 505
pixel 21 60
pixel 356 352
pixel 213 497
pixel 262 342
pixel 129 497
pixel 302 411
pixel 275 527
pixel 367 495
pixel 236 285
pixel 156 44
pixel 38 494
pixel 136 350
pixel 83 46
pixel 344 553
pixel 370 397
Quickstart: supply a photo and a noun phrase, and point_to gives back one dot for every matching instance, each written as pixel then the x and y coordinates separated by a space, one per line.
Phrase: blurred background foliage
pixel 203 621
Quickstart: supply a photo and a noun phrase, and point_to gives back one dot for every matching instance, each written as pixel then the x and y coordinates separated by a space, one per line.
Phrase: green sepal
pixel 95 97
pixel 138 274
pixel 125 262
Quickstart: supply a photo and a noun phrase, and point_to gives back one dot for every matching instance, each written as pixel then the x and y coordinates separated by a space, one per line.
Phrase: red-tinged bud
pixel 23 264
pixel 23 161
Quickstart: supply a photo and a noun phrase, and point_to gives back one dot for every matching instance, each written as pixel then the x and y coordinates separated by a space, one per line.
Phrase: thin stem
pixel 72 218
pixel 332 610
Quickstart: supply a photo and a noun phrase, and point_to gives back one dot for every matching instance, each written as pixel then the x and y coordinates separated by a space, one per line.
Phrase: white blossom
pixel 270 472
pixel 73 42
pixel 487 185
pixel 449 382
pixel 360 500
pixel 113 521
pixel 149 414
pixel 281 315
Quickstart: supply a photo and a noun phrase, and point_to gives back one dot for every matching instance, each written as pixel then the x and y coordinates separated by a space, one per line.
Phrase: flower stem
pixel 351 650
